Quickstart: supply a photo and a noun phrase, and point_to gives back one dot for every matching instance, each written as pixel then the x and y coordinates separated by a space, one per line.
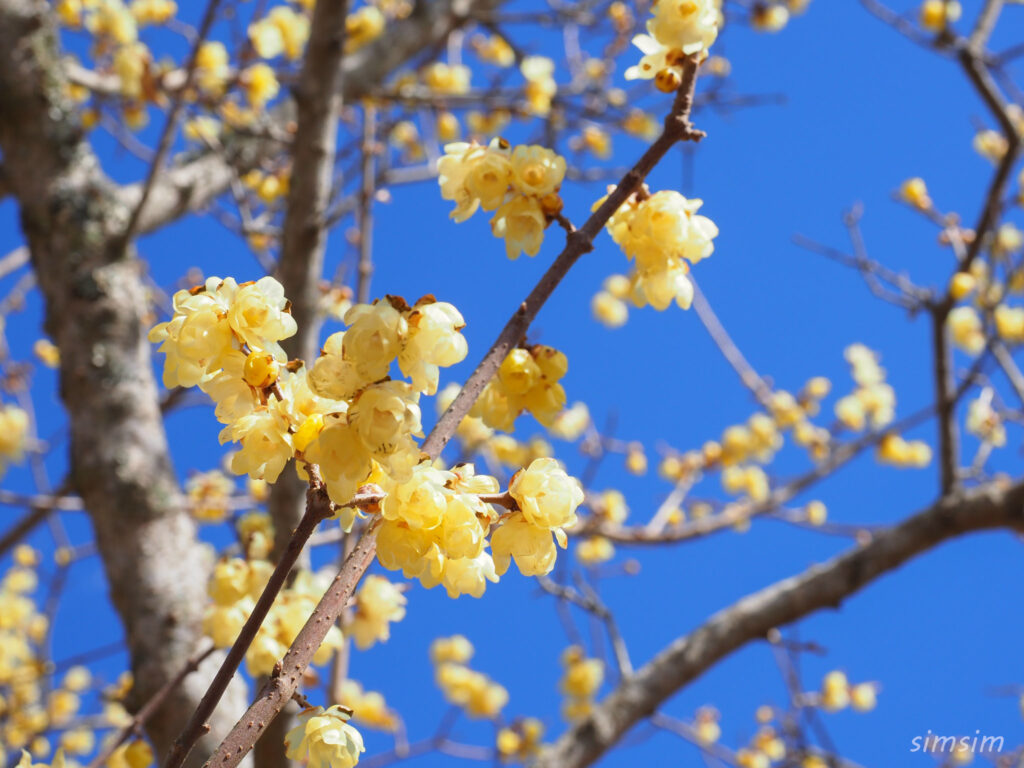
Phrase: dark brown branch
pixel 945 403
pixel 367 189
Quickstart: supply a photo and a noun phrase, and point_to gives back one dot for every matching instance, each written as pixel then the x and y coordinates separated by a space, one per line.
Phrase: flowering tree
pixel 289 121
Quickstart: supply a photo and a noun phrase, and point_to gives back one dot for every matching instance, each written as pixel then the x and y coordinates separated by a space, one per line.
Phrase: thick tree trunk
pixel 96 311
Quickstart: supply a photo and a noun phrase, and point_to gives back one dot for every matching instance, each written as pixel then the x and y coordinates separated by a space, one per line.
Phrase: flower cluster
pixel 234 587
pixel 379 603
pixel 324 739
pixel 547 499
pixel 37 705
pixel 528 379
pixel 435 529
pixel 661 233
pixel 368 707
pixel 679 28
pixel 14 426
pixel 758 440
pixel 898 452
pixel 580 682
pixel 521 740
pixel 209 495
pixel 984 421
pixel 520 185
pixel 838 693
pixel 477 695
pixel 873 402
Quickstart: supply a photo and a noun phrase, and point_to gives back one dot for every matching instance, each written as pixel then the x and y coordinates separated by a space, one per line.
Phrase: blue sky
pixel 864 109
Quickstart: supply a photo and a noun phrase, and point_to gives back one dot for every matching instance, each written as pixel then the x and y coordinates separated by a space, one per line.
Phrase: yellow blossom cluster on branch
pixel 369 708
pixel 521 740
pixel 235 586
pixel 984 421
pixel 14 426
pixel 528 379
pixel 379 603
pixel 36 705
pixel 580 683
pixel 838 693
pixel 873 402
pixel 742 446
pixel 662 234
pixel 520 185
pixel 679 28
pixel 474 692
pixel 209 495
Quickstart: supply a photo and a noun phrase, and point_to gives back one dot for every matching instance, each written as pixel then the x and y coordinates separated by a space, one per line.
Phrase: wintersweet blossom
pixel 325 739
pixel 379 603
pixel 662 234
pixel 521 185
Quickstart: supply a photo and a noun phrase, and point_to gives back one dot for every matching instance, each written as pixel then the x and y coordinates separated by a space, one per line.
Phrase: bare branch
pixel 195 182
pixel 822 586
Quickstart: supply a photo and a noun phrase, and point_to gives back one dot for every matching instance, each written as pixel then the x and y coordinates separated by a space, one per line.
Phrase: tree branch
pixel 197 181
pixel 822 586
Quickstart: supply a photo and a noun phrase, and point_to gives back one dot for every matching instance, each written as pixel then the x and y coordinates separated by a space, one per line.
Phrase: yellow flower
pixel 259 314
pixel 571 423
pixel 1009 323
pixel 687 25
pixel 771 18
pixel 583 676
pixel 282 31
pixel 984 422
pixel 212 70
pixel 536 171
pixel 266 443
pixel 368 707
pixel 835 691
pixel 111 19
pixel 385 416
pixel 378 604
pixel 990 144
pixel 547 496
pixel 530 546
pixel 260 84
pixel 935 15
pixel 457 649
pixel 864 696
pixel 209 494
pixel 540 85
pixel 362 27
pixel 915 192
pixel 447 79
pixel 521 222
pixel 324 738
pixel 494 50
pixel 13 433
pixel 608 310
pixel 966 329
pixel 198 335
pixel 468 575
pixel 131 63
pixel 433 341
pixel 816 513
pixel 153 11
